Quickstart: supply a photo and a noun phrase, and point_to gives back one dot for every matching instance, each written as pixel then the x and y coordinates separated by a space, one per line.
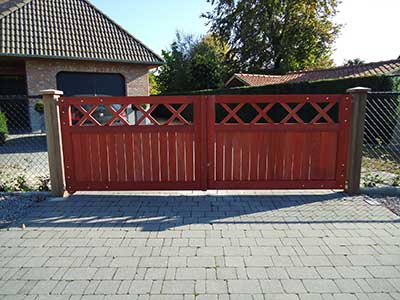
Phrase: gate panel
pixel 200 142
pixel 277 141
pixel 113 143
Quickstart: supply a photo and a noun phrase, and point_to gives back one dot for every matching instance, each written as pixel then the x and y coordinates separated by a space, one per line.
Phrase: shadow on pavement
pixel 158 213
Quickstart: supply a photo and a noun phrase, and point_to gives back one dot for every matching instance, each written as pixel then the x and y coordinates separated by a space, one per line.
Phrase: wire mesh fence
pixel 381 147
pixel 23 149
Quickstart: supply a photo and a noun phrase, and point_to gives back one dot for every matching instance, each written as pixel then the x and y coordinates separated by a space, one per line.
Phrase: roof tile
pixel 73 29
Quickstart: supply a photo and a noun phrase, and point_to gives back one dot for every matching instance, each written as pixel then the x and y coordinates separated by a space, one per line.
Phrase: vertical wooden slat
pixel 245 156
pixel 95 157
pixel 236 155
pixel 78 166
pixel 298 144
pixel 147 163
pixel 189 156
pixel 263 152
pixel 120 157
pixel 172 156
pixel 287 157
pixel 273 162
pixel 181 155
pixel 112 157
pixel 130 165
pixel 220 156
pixel 138 171
pixel 254 155
pixel 315 152
pixel 328 151
pixel 85 155
pixel 228 156
pixel 104 168
pixel 164 160
pixel 155 156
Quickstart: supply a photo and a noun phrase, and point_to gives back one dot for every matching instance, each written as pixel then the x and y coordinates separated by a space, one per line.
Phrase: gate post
pixel 54 148
pixel 359 101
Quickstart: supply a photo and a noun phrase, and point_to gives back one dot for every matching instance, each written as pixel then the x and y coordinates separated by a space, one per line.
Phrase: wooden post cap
pixel 358 90
pixel 51 92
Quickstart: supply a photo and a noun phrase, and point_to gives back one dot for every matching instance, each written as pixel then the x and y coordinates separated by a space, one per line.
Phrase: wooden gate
pixel 131 143
pixel 205 142
pixel 278 141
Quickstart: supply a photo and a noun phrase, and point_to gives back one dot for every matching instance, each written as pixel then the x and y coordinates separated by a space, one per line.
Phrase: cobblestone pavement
pixel 293 246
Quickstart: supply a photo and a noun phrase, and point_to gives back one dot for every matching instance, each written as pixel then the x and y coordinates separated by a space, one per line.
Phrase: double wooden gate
pixel 205 142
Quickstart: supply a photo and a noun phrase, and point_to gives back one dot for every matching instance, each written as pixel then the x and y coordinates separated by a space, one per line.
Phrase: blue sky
pixel 155 22
pixel 369 30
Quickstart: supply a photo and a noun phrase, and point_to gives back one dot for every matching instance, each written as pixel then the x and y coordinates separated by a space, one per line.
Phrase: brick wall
pixel 41 74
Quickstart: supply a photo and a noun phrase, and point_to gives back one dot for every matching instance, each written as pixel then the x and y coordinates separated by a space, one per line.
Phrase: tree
pixel 353 62
pixel 282 35
pixel 154 87
pixel 193 63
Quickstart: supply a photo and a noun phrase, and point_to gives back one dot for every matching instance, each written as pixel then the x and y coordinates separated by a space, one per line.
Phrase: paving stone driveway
pixel 298 246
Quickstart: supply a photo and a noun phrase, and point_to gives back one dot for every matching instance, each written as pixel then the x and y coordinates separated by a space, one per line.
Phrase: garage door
pixel 91 84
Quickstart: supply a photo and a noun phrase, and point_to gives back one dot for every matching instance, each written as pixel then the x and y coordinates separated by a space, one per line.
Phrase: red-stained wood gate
pixel 205 142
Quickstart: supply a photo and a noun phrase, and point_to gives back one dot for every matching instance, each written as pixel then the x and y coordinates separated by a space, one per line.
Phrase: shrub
pixel 39 106
pixel 13 178
pixel 3 123
pixel 3 128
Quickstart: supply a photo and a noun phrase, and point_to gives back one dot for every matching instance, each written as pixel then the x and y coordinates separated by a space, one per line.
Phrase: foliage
pixel 39 106
pixel 3 123
pixel 193 63
pixel 371 180
pixel 154 87
pixel 396 181
pixel 14 178
pixel 381 164
pixel 283 35
pixel 353 62
pixel 43 183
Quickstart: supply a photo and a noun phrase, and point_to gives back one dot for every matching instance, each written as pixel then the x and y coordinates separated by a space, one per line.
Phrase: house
pixel 390 67
pixel 68 45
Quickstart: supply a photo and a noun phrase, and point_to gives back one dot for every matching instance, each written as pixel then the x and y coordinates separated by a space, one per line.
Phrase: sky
pixel 370 27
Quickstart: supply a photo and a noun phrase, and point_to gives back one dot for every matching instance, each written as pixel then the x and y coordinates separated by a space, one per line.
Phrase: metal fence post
pixel 359 101
pixel 52 121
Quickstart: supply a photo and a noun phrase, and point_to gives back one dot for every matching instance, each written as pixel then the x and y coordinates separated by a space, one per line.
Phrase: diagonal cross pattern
pixel 116 114
pixel 322 113
pixel 176 114
pixel 87 115
pixel 232 113
pixel 262 113
pixel 292 113
pixel 146 114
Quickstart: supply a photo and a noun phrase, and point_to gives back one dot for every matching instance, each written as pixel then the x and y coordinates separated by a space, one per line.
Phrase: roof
pixel 375 68
pixel 67 29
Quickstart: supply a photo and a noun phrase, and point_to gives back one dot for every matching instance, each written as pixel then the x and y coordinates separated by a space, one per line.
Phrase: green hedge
pixel 3 128
pixel 3 123
pixel 335 86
